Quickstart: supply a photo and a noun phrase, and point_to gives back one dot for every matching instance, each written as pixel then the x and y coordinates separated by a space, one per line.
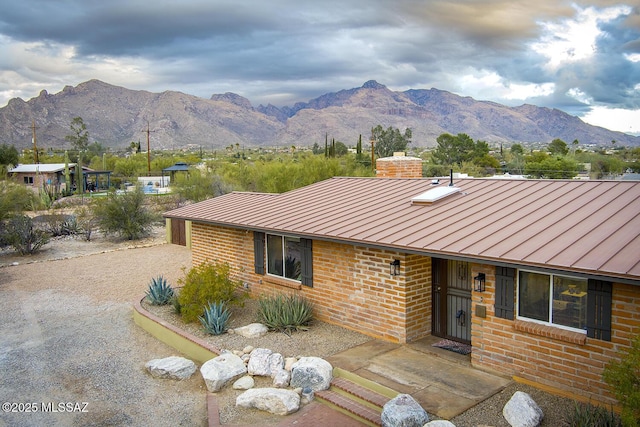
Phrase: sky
pixel 582 57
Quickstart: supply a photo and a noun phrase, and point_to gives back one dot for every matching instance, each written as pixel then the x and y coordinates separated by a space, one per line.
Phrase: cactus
pixel 159 293
pixel 215 318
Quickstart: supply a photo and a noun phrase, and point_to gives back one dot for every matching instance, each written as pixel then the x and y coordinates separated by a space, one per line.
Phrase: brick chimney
pixel 399 166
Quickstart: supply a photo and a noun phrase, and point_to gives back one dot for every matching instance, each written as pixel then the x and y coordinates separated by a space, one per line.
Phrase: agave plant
pixel 159 292
pixel 215 318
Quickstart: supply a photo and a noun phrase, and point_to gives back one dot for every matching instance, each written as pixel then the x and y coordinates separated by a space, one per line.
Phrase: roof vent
pixel 435 194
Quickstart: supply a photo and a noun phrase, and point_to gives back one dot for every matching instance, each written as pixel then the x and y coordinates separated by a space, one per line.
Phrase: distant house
pixel 541 277
pixel 52 175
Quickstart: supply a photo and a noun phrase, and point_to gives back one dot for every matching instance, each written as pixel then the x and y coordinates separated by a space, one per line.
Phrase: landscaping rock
pixel 312 372
pixel 281 378
pixel 288 363
pixel 253 330
pixel 439 423
pixel 259 362
pixel 403 411
pixel 274 400
pixel 219 371
pixel 173 367
pixel 244 383
pixel 522 411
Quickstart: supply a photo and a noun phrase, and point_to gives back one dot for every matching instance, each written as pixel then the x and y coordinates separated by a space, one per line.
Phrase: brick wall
pixel 565 360
pixel 352 286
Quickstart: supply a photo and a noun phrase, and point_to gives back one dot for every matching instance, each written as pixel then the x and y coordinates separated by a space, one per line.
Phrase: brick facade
pixel 352 286
pixel 554 357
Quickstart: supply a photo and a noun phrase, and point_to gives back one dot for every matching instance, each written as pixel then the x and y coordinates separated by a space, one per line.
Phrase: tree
pixel 124 214
pixel 8 155
pixel 453 150
pixel 79 139
pixel 196 186
pixel 558 147
pixel 517 150
pixel 542 165
pixel 388 141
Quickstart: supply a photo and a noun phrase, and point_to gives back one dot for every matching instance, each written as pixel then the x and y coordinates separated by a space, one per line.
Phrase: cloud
pixel 569 55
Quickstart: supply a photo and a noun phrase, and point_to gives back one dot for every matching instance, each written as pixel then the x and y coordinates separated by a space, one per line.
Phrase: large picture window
pixel 284 256
pixel 553 299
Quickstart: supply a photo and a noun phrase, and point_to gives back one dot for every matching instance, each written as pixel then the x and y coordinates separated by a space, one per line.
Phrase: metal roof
pixel 40 168
pixel 590 227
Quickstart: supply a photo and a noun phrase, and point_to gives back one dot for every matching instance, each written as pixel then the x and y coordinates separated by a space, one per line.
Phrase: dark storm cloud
pixel 283 51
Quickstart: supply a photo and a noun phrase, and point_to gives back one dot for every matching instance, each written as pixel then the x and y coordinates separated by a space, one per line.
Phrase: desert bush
pixel 59 225
pixel 124 214
pixel 20 233
pixel 215 318
pixel 204 284
pixel 588 415
pixel 159 291
pixel 623 376
pixel 285 313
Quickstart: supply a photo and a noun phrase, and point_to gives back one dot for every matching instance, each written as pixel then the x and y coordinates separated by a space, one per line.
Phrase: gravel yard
pixel 67 336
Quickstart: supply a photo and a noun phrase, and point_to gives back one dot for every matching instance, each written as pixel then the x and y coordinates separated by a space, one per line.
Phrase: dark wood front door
pixel 451 299
pixel 178 232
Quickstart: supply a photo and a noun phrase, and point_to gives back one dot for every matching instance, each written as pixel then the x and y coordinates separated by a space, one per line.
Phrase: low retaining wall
pixel 186 344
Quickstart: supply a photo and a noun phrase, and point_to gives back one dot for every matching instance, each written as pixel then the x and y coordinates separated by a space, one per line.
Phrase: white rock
pixel 439 423
pixel 244 383
pixel 173 367
pixel 259 362
pixel 276 363
pixel 288 363
pixel 253 330
pixel 274 400
pixel 312 372
pixel 281 378
pixel 403 410
pixel 219 371
pixel 522 411
pixel 248 349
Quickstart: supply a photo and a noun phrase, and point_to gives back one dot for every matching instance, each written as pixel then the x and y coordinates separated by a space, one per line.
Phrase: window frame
pixel 549 322
pixel 261 255
pixel 283 247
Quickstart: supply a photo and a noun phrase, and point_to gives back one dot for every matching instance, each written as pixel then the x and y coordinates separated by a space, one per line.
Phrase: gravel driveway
pixel 68 343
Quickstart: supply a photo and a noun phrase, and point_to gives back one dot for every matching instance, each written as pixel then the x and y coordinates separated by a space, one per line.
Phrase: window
pixel 553 299
pixel 28 180
pixel 284 256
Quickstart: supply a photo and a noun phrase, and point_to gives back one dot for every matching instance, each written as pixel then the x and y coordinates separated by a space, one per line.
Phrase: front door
pixel 451 287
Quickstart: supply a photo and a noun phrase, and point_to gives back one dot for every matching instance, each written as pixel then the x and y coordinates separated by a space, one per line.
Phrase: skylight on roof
pixel 435 194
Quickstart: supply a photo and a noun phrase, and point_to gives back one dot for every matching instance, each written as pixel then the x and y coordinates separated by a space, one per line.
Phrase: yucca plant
pixel 159 292
pixel 215 318
pixel 285 313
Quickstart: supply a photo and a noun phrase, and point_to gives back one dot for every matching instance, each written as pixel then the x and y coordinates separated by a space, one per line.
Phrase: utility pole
pixel 373 161
pixel 148 132
pixel 36 160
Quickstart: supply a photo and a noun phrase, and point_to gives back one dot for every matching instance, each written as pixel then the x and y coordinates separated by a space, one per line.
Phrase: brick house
pixel 541 277
pixel 52 175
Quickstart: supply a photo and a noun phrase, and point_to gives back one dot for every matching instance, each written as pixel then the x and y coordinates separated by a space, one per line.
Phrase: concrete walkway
pixel 443 382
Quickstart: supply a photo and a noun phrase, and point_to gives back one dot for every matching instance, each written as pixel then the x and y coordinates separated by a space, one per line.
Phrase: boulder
pixel 259 362
pixel 274 400
pixel 253 330
pixel 219 371
pixel 312 372
pixel 439 423
pixel 281 378
pixel 244 383
pixel 522 411
pixel 403 411
pixel 173 367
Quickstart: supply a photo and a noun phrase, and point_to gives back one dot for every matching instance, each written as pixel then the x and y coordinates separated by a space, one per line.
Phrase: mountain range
pixel 116 116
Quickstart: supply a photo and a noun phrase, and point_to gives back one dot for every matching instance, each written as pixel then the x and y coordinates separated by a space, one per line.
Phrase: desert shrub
pixel 14 199
pixel 587 415
pixel 207 283
pixel 623 376
pixel 20 233
pixel 285 313
pixel 159 291
pixel 59 225
pixel 215 318
pixel 124 214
